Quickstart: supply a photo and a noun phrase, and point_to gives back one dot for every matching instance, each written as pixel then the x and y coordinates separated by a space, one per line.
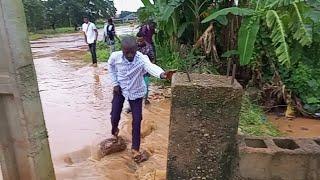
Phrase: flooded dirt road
pixel 76 101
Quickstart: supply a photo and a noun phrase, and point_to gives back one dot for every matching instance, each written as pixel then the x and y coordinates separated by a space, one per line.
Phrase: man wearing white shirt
pixel 127 68
pixel 90 36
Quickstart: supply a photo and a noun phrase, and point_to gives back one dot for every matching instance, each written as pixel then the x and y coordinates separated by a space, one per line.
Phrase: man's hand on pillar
pixel 168 74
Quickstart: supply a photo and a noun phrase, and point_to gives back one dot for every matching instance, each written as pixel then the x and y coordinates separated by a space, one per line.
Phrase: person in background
pixel 127 68
pixel 110 34
pixel 90 33
pixel 146 49
pixel 148 30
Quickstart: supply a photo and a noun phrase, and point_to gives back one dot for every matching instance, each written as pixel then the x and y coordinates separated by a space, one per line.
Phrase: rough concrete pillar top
pixel 204 80
pixel 203 127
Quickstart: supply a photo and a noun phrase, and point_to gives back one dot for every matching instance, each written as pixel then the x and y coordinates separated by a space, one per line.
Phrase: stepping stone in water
pixel 112 145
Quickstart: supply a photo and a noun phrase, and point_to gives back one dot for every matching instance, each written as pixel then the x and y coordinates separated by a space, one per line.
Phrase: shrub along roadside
pixel 50 33
pixel 103 52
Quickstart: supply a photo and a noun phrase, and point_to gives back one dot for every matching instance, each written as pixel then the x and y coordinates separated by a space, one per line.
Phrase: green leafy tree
pixel 34 10
pixel 63 13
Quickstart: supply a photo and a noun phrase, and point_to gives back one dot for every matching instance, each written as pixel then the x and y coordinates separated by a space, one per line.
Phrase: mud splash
pixel 155 132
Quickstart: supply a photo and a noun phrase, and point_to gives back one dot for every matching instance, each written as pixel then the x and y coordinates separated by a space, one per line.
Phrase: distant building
pixel 130 18
pixel 126 17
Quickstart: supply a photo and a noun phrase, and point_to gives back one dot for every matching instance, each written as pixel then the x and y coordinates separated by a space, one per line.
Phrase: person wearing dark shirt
pixel 145 48
pixel 148 30
pixel 110 34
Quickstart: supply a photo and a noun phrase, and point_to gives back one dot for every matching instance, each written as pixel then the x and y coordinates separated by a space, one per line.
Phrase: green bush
pixel 304 81
pixel 168 59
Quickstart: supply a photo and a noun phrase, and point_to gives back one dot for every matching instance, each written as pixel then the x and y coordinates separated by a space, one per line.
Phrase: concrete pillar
pixel 24 147
pixel 203 127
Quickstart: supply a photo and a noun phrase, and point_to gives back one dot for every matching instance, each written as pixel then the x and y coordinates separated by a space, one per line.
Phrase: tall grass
pixel 254 122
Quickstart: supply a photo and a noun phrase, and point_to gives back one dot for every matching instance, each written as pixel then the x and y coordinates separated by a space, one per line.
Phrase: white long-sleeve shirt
pixel 129 75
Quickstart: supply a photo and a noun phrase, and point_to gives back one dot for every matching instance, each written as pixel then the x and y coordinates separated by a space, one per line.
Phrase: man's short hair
pixel 129 41
pixel 140 34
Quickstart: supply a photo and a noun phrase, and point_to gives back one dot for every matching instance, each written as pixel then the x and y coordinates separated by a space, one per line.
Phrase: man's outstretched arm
pixel 155 70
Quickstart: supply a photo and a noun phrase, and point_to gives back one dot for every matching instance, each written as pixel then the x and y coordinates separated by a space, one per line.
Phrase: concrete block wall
pixel 279 158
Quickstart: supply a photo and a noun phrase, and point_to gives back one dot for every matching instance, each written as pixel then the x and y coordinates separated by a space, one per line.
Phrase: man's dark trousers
pixel 136 109
pixel 92 48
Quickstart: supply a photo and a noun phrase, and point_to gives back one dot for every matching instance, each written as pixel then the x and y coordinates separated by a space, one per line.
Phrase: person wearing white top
pixel 90 33
pixel 126 69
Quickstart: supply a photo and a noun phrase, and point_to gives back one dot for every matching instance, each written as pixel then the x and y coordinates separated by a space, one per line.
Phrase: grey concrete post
pixel 203 127
pixel 24 147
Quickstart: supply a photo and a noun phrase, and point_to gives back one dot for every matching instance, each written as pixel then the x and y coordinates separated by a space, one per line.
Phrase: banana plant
pixel 274 13
pixel 165 14
pixel 174 17
pixel 197 7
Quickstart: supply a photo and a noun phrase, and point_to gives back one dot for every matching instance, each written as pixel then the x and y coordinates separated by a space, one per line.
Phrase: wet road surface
pixel 75 97
pixel 76 101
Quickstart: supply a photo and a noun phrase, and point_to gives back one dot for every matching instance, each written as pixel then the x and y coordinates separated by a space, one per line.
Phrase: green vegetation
pixel 103 52
pixel 64 13
pixel 50 33
pixel 254 122
pixel 275 45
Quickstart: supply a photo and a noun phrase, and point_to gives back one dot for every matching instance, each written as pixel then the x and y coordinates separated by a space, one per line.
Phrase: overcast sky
pixel 127 5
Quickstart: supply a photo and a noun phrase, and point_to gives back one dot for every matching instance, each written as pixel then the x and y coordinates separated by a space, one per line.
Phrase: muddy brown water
pixel 76 101
pixel 296 127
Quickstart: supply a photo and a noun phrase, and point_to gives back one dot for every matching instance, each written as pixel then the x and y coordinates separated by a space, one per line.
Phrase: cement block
pixel 282 159
pixel 203 127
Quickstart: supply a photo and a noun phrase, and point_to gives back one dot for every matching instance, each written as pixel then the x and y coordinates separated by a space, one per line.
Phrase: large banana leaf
pixel 272 4
pixel 247 38
pixel 170 8
pixel 302 33
pixel 278 36
pixel 183 28
pixel 232 10
pixel 147 3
